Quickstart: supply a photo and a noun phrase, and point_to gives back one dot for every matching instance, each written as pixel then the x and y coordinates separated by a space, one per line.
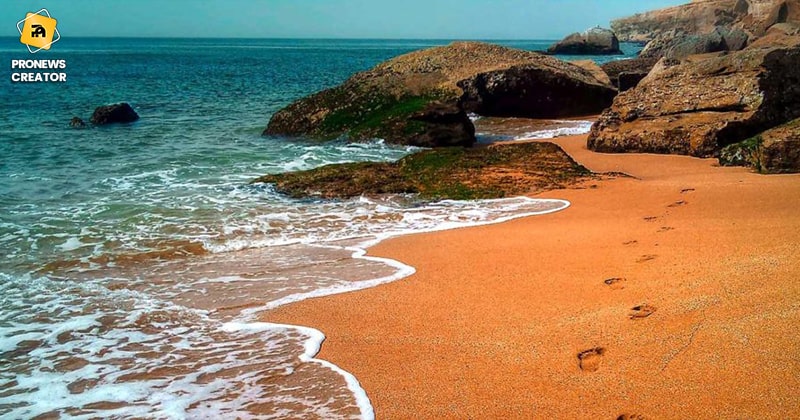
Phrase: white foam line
pixel 316 337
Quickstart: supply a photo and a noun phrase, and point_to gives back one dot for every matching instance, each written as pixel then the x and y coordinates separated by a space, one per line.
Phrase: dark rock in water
pixel 634 66
pixel 117 113
pixel 76 122
pixel 396 99
pixel 531 91
pixel 446 173
pixel 774 151
pixel 699 107
pixel 594 41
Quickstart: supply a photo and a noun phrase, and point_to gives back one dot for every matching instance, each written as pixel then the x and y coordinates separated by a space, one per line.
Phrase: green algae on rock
pixel 447 173
pixel 413 99
pixel 771 152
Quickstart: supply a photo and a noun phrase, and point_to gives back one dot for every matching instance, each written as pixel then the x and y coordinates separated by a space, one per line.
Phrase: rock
pixel 751 18
pixel 634 66
pixel 697 17
pixel 536 91
pixel 594 41
pixel 76 122
pixel 386 101
pixel 629 80
pixel 117 113
pixel 735 39
pixel 444 124
pixel 774 151
pixel 679 45
pixel 596 71
pixel 698 107
pixel 447 173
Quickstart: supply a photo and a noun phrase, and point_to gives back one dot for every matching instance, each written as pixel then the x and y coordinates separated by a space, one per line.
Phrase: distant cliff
pixel 702 16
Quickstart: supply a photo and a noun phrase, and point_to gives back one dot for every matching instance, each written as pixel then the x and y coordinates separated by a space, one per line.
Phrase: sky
pixel 441 19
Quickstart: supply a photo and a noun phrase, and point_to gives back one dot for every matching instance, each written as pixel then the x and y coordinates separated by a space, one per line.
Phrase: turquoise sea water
pixel 135 258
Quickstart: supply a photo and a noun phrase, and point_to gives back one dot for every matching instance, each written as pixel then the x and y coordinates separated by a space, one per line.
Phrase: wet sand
pixel 674 293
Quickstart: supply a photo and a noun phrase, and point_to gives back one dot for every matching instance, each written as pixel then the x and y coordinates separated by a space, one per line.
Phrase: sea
pixel 136 259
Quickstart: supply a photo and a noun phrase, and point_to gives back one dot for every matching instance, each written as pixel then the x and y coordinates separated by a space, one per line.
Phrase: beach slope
pixel 671 293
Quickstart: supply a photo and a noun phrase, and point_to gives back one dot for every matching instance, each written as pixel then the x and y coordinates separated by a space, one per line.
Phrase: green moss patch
pixel 452 173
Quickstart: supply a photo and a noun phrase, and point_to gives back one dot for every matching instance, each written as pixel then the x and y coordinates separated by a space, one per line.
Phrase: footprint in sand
pixel 665 229
pixel 645 258
pixel 631 417
pixel 617 283
pixel 651 218
pixel 678 204
pixel 634 242
pixel 687 190
pixel 589 360
pixel 641 311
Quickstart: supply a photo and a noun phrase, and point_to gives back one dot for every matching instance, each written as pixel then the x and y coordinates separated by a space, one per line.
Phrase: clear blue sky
pixel 462 19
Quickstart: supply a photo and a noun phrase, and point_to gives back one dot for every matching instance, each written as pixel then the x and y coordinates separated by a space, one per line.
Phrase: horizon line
pixel 310 38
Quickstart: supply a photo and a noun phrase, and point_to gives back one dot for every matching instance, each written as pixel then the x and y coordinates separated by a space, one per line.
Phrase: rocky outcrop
pixel 773 151
pixel 594 41
pixel 536 91
pixel 678 46
pixel 117 113
pixel 631 71
pixel 745 18
pixel 700 106
pixel 452 173
pixel 402 99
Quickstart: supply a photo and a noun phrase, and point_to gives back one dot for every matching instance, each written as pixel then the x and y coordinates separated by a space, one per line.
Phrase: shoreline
pixel 409 342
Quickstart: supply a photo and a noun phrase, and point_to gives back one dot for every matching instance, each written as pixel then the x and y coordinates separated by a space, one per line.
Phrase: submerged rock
pixel 391 100
pixel 76 122
pixel 448 173
pixel 701 106
pixel 594 41
pixel 117 113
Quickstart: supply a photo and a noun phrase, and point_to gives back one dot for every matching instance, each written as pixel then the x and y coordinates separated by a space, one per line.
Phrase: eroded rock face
pixel 117 113
pixel 389 100
pixel 634 69
pixel 594 41
pixel 531 91
pixel 752 18
pixel 700 106
pixel 774 151
pixel 679 45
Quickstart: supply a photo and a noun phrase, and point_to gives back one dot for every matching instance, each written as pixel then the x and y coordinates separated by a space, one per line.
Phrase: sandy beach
pixel 671 293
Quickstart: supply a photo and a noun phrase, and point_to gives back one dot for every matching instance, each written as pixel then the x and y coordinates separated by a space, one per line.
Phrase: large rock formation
pixel 594 41
pixel 402 100
pixel 702 105
pixel 548 89
pixel 698 26
pixel 117 113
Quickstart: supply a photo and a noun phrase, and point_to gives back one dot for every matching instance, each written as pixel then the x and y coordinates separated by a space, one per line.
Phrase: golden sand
pixel 671 294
